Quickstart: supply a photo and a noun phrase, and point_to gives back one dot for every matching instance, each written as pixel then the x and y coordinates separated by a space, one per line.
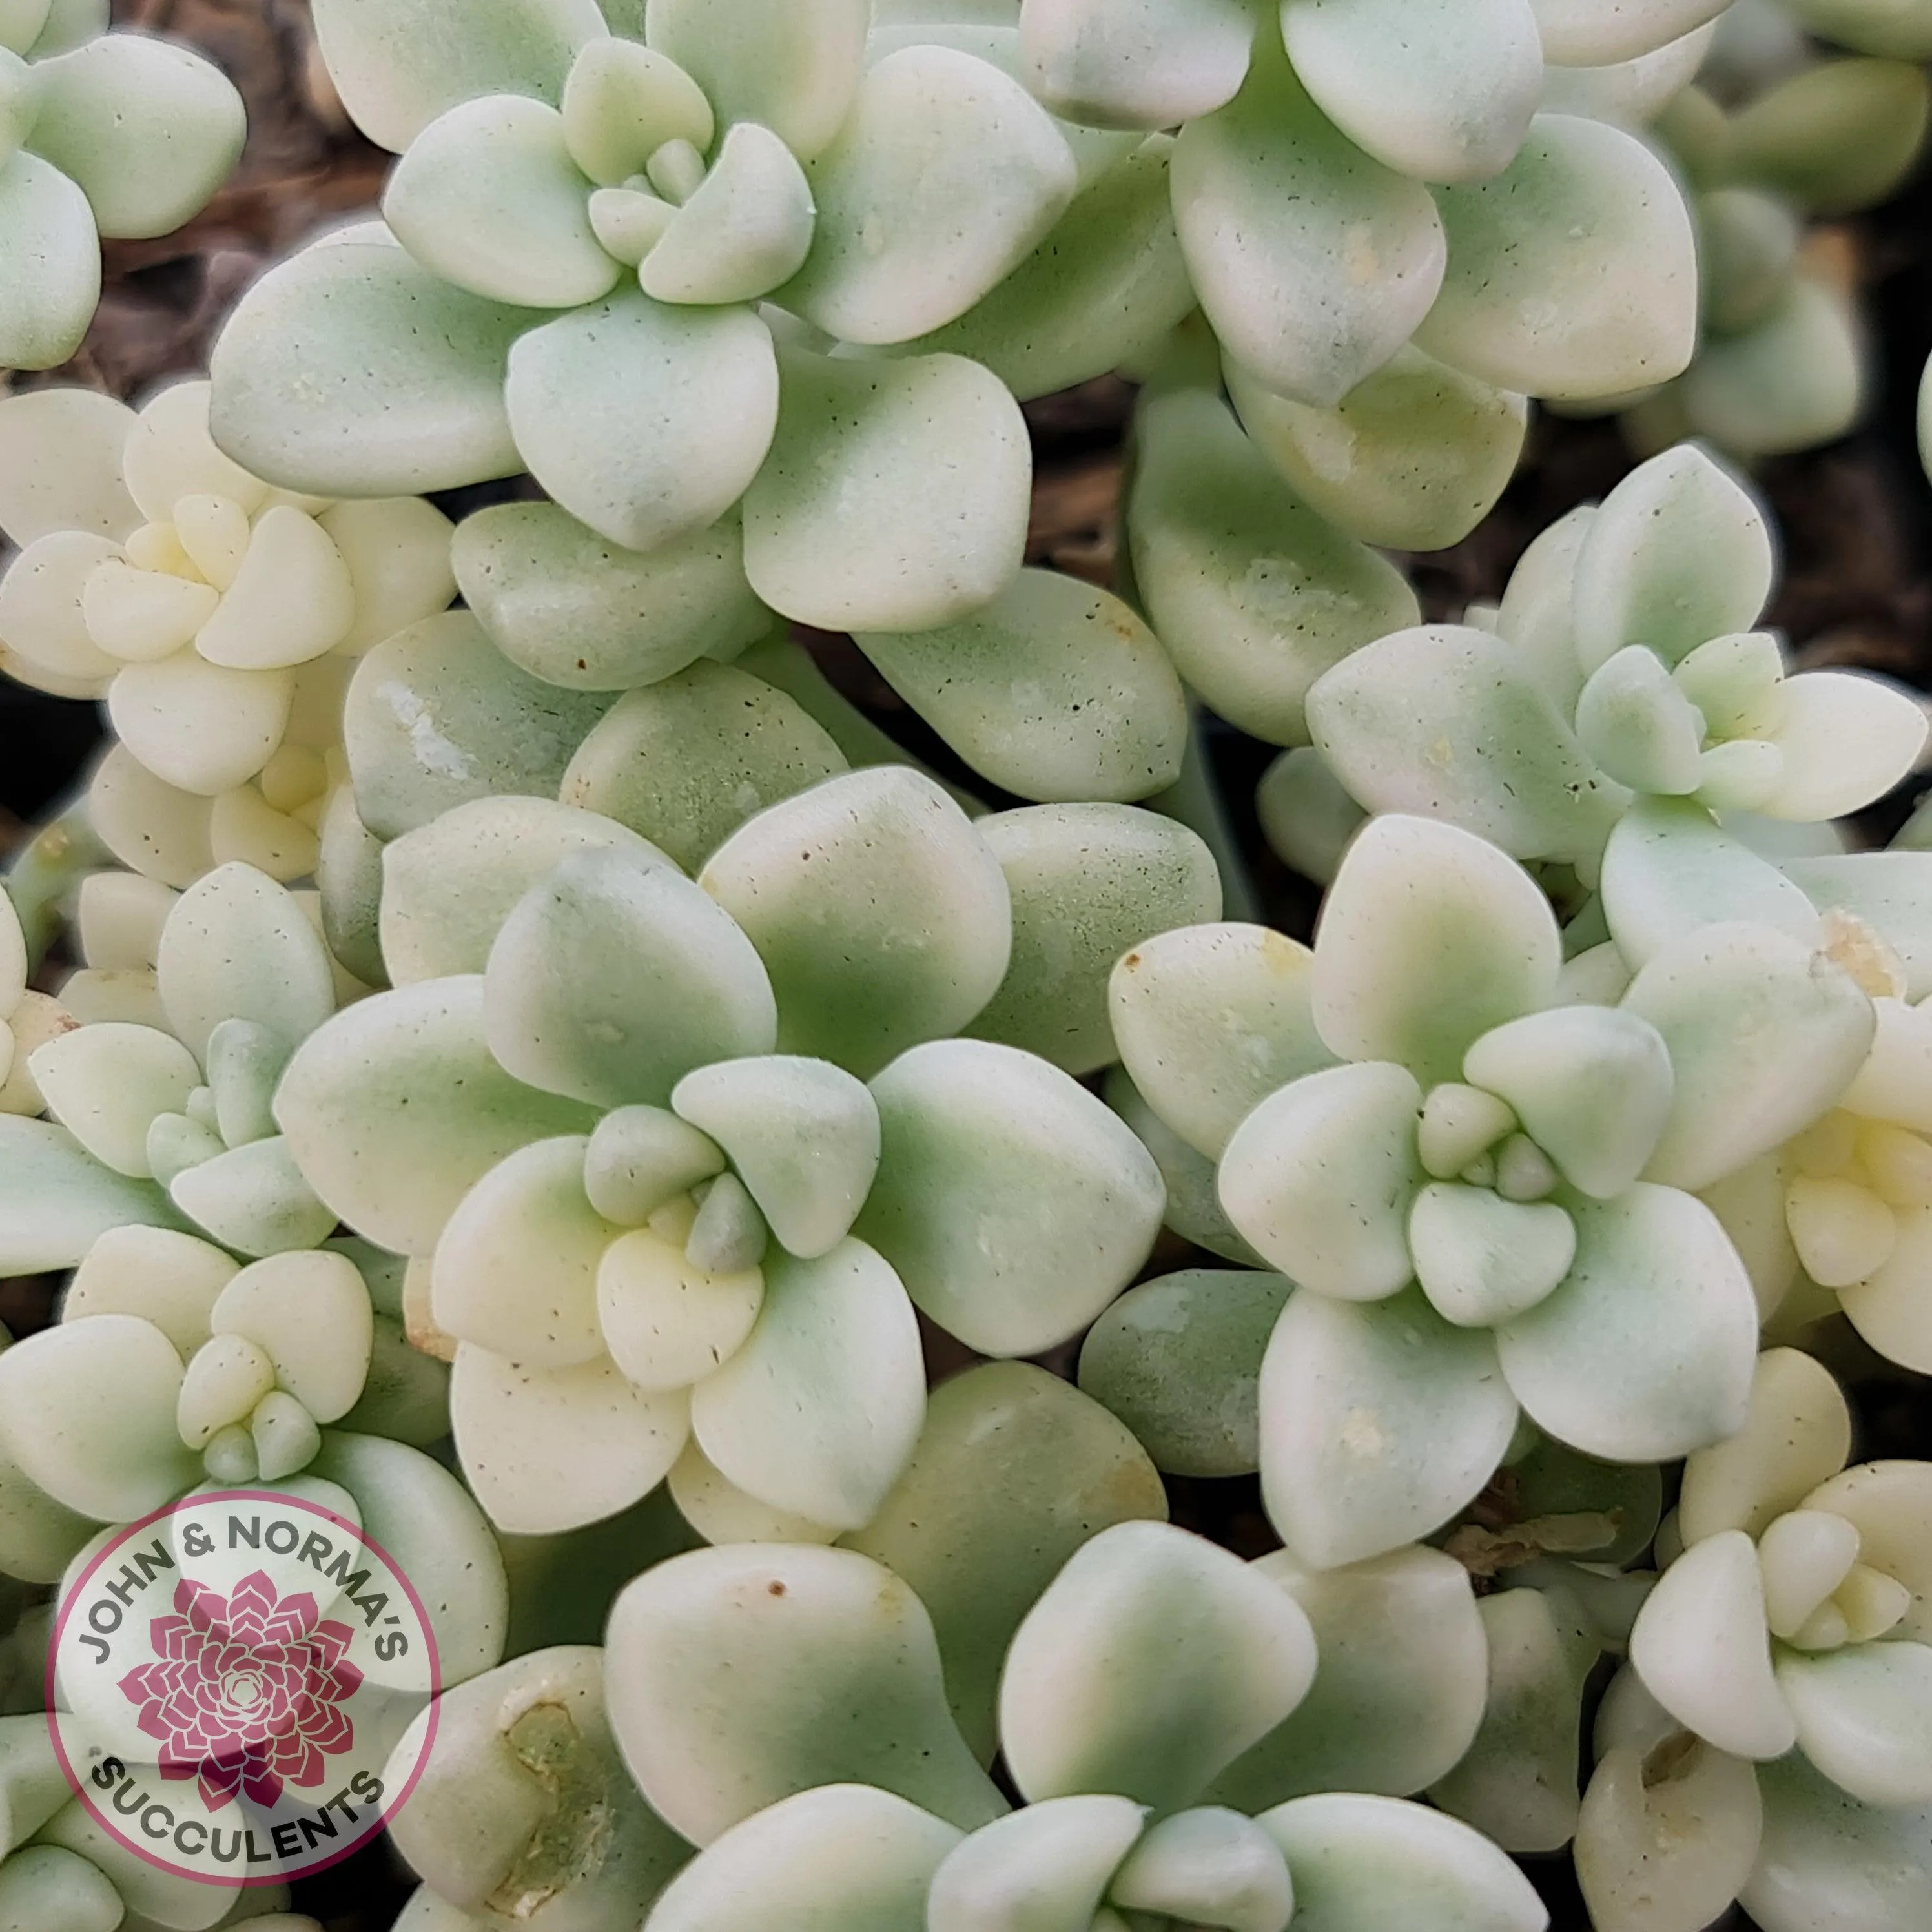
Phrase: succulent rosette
pixel 677 1160
pixel 118 135
pixel 667 273
pixel 1482 1179
pixel 1767 1740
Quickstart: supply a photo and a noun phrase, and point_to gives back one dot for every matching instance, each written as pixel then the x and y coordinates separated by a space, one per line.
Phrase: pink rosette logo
pixel 230 1682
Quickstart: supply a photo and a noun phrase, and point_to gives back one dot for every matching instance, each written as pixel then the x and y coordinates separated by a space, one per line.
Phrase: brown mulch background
pixel 1856 516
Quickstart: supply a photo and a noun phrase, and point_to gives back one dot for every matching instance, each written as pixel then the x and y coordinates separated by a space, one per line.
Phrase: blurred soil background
pixel 1855 517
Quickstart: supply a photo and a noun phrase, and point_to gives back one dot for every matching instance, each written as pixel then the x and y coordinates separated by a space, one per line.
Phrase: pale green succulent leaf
pixel 1715 995
pixel 39 1537
pixel 1149 64
pixel 350 370
pixel 1834 137
pixel 1379 1422
pixel 1482 1259
pixel 88 1415
pixel 447 886
pixel 1152 1661
pixel 1089 882
pixel 487 197
pixel 1847 739
pixel 896 494
pixel 238 946
pixel 1799 376
pixel 643 421
pixel 1361 1860
pixel 253 1199
pixel 898 251
pixel 1639 726
pixel 1891 891
pixel 1591 1086
pixel 1580 33
pixel 882 916
pixel 689 759
pixel 574 609
pixel 1253 595
pixel 746 229
pixel 1646 1350
pixel 1669 869
pixel 1679 553
pixel 1044 1868
pixel 1013 1471
pixel 1213 1865
pixel 1573 273
pixel 436 717
pixel 795 68
pixel 549 1449
pixel 1443 92
pixel 1314 262
pixel 818 1413
pixel 1863 1713
pixel 1194 1210
pixel 60 466
pixel 396 68
pixel 105 1084
pixel 614 977
pixel 146 130
pixel 1055 690
pixel 310 1315
pixel 1398 1696
pixel 1013 1204
pixel 1429 936
pixel 738 1676
pixel 395 1109
pixel 1178 1360
pixel 21 21
pixel 1414 456
pixel 1103 287
pixel 47 1885
pixel 1457 723
pixel 49 264
pixel 1211 1019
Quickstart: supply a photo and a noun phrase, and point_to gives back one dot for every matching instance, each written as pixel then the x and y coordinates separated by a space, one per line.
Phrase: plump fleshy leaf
pixel 1571 274
pixel 895 495
pixel 60 465
pixel 643 421
pixel 1209 1020
pixel 1863 1713
pixel 1043 1868
pixel 1429 937
pixel 1591 1086
pixel 746 229
pixel 1253 595
pixel 1482 1259
pixel 841 1858
pixel 436 717
pixel 1455 722
pixel 1798 378
pixel 1178 1359
pixel 1443 92
pixel 1378 1423
pixel 1361 1860
pixel 89 1414
pixel 1103 288
pixel 1413 456
pixel 575 609
pixel 487 197
pixel 1825 1854
pixel 1014 1471
pixel 1151 1662
pixel 1013 1204
pixel 49 264
pixel 1678 552
pixel 738 1676
pixel 548 1449
pixel 793 67
pixel 1583 33
pixel 147 130
pixel 899 252
pixel 614 977
pixel 1314 262
pixel 398 68
pixel 106 1083
pixel 1149 64
pixel 1714 995
pixel 349 371
pixel 1088 882
pixel 1321 1176
pixel 1055 690
pixel 687 760
pixel 818 1413
pixel 1398 1696
pixel 395 1109
pixel 55 1200
pixel 887 863
pixel 1847 740
pixel 1646 1351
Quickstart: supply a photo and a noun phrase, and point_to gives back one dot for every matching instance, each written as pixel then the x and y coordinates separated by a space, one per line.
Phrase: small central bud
pixel 676 170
